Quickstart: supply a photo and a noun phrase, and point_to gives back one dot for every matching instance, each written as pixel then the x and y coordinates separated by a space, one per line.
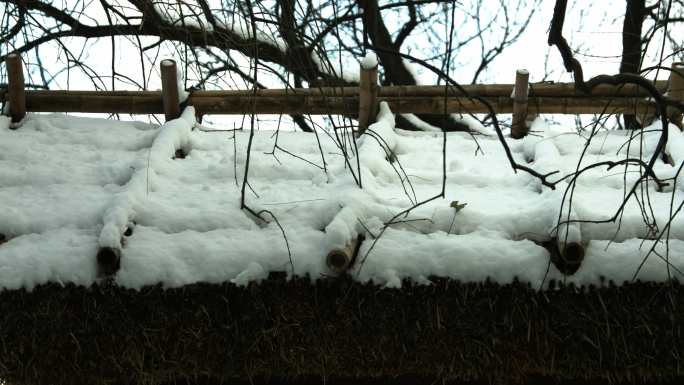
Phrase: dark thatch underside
pixel 339 332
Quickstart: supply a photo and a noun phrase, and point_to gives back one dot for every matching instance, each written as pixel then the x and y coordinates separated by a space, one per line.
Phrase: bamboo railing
pixel 554 98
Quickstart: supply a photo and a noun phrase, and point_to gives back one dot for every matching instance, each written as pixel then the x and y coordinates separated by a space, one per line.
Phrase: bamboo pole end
pixel 342 259
pixel 567 257
pixel 108 261
pixel 170 96
pixel 338 261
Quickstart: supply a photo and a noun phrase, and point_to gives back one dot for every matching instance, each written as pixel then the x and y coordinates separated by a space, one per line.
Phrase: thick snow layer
pixel 173 135
pixel 71 185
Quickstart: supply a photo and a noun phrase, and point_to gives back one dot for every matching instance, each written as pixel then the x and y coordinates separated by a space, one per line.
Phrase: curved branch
pixel 408 27
pixel 153 24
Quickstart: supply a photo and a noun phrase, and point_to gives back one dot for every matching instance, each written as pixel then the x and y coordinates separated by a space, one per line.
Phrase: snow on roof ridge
pixel 192 229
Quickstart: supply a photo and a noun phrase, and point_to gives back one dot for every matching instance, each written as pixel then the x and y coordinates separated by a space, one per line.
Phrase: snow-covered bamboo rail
pixel 341 259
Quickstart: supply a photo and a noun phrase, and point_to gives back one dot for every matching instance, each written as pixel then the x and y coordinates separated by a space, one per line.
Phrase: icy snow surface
pixel 70 185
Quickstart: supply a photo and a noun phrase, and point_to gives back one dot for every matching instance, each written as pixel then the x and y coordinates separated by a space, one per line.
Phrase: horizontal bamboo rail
pixel 559 98
pixel 483 90
pixel 315 103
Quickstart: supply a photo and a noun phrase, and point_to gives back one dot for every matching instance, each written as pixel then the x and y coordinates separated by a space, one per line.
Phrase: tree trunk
pixel 631 47
pixel 395 71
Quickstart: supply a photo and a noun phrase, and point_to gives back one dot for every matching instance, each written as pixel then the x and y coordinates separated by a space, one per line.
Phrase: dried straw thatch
pixel 337 330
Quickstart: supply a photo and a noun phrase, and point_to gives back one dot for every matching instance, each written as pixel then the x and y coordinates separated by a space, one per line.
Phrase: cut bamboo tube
pixel 368 92
pixel 567 257
pixel 109 258
pixel 170 98
pixel 519 124
pixel 559 90
pixel 340 260
pixel 572 255
pixel 108 261
pixel 675 91
pixel 16 94
pixel 569 243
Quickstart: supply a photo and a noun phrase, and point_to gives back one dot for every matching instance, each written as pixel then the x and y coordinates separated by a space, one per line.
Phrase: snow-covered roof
pixel 70 185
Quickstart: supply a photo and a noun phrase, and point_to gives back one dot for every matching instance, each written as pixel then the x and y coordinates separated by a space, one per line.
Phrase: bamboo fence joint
pixel 368 94
pixel 675 90
pixel 15 88
pixel 170 97
pixel 519 124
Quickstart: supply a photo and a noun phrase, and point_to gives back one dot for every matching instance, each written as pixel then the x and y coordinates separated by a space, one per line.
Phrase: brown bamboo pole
pixel 170 96
pixel 340 260
pixel 149 102
pixel 536 89
pixel 504 105
pixel 138 102
pixel 519 123
pixel 15 87
pixel 292 104
pixel 368 92
pixel 675 91
pixel 484 90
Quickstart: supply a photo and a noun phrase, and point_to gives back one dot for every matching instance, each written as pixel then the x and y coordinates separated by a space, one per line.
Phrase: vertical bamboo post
pixel 519 126
pixel 170 96
pixel 15 87
pixel 675 90
pixel 368 93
